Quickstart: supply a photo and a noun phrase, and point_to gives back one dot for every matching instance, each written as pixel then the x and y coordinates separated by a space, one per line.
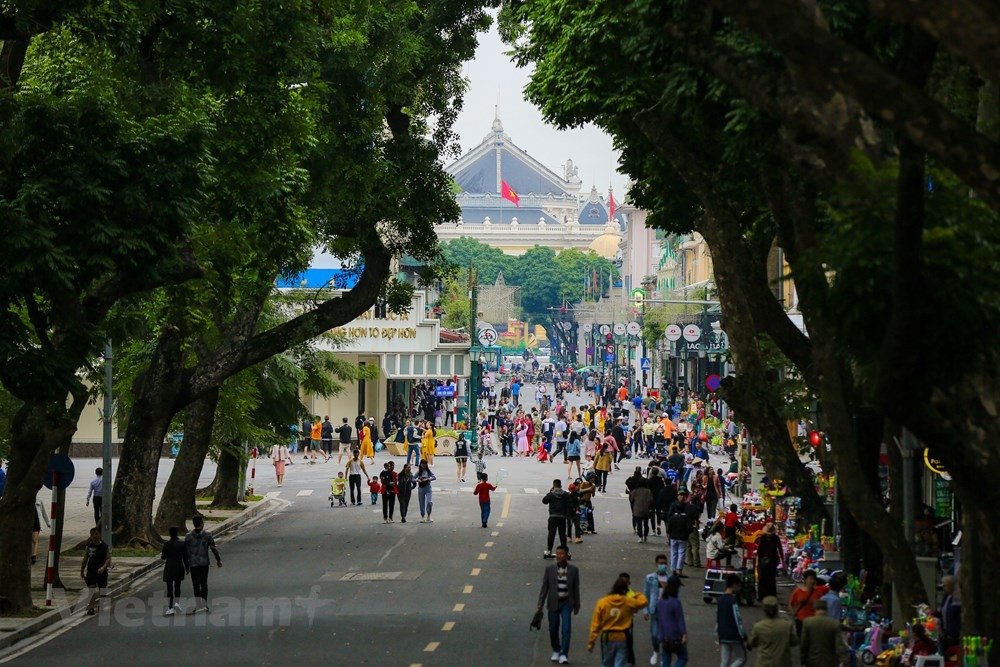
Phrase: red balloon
pixel 815 438
pixel 703 436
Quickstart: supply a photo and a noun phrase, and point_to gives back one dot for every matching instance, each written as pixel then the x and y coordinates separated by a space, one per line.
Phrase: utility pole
pixel 108 417
pixel 472 402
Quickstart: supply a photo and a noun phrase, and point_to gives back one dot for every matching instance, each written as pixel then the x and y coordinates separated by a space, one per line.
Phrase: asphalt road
pixel 312 584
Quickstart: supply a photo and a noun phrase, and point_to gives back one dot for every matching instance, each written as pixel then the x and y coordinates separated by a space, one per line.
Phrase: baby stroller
pixel 338 492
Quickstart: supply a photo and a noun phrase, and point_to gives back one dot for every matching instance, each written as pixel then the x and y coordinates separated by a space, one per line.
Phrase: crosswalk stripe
pixel 305 492
pixel 531 491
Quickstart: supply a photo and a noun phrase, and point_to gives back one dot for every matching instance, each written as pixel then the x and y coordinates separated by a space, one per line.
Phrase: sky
pixel 492 76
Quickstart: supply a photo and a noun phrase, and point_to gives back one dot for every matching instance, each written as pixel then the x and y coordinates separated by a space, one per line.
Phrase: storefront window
pixel 459 365
pixel 418 364
pixel 445 364
pixel 432 365
pixel 404 364
pixel 390 364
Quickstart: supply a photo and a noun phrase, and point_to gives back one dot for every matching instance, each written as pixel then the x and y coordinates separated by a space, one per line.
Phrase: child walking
pixel 375 488
pixel 480 464
pixel 483 491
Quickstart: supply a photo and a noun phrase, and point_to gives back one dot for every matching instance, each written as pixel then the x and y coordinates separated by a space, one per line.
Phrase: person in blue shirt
pixel 670 624
pixel 515 391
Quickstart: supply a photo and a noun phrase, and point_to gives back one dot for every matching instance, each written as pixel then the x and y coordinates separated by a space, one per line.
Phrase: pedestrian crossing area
pixel 527 491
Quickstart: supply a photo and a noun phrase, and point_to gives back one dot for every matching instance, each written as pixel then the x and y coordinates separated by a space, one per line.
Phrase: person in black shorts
pixel 94 568
pixel 461 456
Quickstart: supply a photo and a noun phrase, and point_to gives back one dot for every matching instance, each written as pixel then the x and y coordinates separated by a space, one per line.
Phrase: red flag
pixel 507 193
pixel 611 206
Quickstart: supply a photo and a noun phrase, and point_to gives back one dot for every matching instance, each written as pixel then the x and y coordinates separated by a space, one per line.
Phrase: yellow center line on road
pixel 495 533
pixel 482 556
pixel 506 507
pixel 466 590
pixel 458 607
pixel 475 572
pixel 447 627
pixel 416 664
pixel 431 647
pixel 500 525
pixel 489 544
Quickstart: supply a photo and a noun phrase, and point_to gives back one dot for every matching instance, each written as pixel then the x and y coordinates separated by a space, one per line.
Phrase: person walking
pixel 96 492
pixel 412 442
pixel 641 500
pixel 482 490
pixel 522 436
pixel 713 493
pixel 326 436
pixel 366 447
pixel 822 643
pixel 316 441
pixel 611 620
pixel 602 466
pixel 387 484
pixel 560 596
pixel 671 627
pixel 356 468
pixel 198 543
pixel 427 443
pixel 769 558
pixel 461 456
pixel 425 497
pixel 175 566
pixel 652 588
pixel 558 501
pixel 694 535
pixel 344 435
pixel 773 637
pixel 733 642
pixel 279 459
pixel 94 568
pixel 404 490
pixel 678 530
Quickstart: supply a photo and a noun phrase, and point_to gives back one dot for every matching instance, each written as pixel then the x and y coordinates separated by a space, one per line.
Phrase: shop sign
pixel 935 465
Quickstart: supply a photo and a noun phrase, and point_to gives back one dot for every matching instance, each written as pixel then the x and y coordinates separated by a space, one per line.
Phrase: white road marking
pixel 305 492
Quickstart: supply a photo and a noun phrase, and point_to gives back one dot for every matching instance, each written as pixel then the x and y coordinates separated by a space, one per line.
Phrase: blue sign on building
pixel 644 364
pixel 445 391
pixel 609 357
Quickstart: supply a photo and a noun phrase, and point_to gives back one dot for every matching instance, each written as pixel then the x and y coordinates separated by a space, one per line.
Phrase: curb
pixel 122 585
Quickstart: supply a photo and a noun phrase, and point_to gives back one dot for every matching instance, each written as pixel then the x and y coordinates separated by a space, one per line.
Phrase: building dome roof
pixel 606 245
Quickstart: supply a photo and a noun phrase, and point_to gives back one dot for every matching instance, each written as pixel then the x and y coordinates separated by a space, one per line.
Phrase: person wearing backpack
pixel 678 530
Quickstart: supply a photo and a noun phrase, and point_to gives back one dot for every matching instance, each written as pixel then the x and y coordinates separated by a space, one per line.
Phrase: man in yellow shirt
pixel 612 619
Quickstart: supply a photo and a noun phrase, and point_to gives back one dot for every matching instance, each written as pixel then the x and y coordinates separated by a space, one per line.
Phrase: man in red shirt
pixel 483 491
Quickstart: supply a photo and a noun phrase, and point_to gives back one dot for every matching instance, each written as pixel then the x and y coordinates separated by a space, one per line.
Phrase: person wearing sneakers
pixel 560 595
pixel 94 569
pixel 483 491
pixel 425 496
pixel 198 543
pixel 558 501
pixel 316 441
pixel 175 566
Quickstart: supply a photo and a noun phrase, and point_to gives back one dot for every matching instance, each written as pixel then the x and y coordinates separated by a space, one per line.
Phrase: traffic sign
pixel 588 327
pixel 63 465
pixel 609 348
pixel 487 336
pixel 605 329
pixel 645 364
pixel 609 357
pixel 672 332
pixel 633 329
pixel 619 328
pixel 692 333
pixel 638 296
pixel 713 382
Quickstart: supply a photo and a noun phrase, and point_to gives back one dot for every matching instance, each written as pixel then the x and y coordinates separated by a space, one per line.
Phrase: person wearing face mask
pixel 653 590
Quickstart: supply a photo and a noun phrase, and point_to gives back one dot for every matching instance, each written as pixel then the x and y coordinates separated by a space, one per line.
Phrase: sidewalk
pixel 78 519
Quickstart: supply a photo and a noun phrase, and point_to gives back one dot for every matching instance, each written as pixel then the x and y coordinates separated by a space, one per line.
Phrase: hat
pixel 697 461
pixel 770 601
pixel 675 580
pixel 682 492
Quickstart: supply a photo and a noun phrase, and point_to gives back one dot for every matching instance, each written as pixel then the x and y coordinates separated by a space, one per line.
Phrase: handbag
pixel 536 621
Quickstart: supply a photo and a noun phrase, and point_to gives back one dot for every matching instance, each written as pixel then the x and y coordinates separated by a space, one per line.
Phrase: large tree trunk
pixel 38 430
pixel 227 492
pixel 155 394
pixel 177 504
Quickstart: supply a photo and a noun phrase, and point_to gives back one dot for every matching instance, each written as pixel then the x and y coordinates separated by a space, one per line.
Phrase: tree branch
pixel 833 69
pixel 968 28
